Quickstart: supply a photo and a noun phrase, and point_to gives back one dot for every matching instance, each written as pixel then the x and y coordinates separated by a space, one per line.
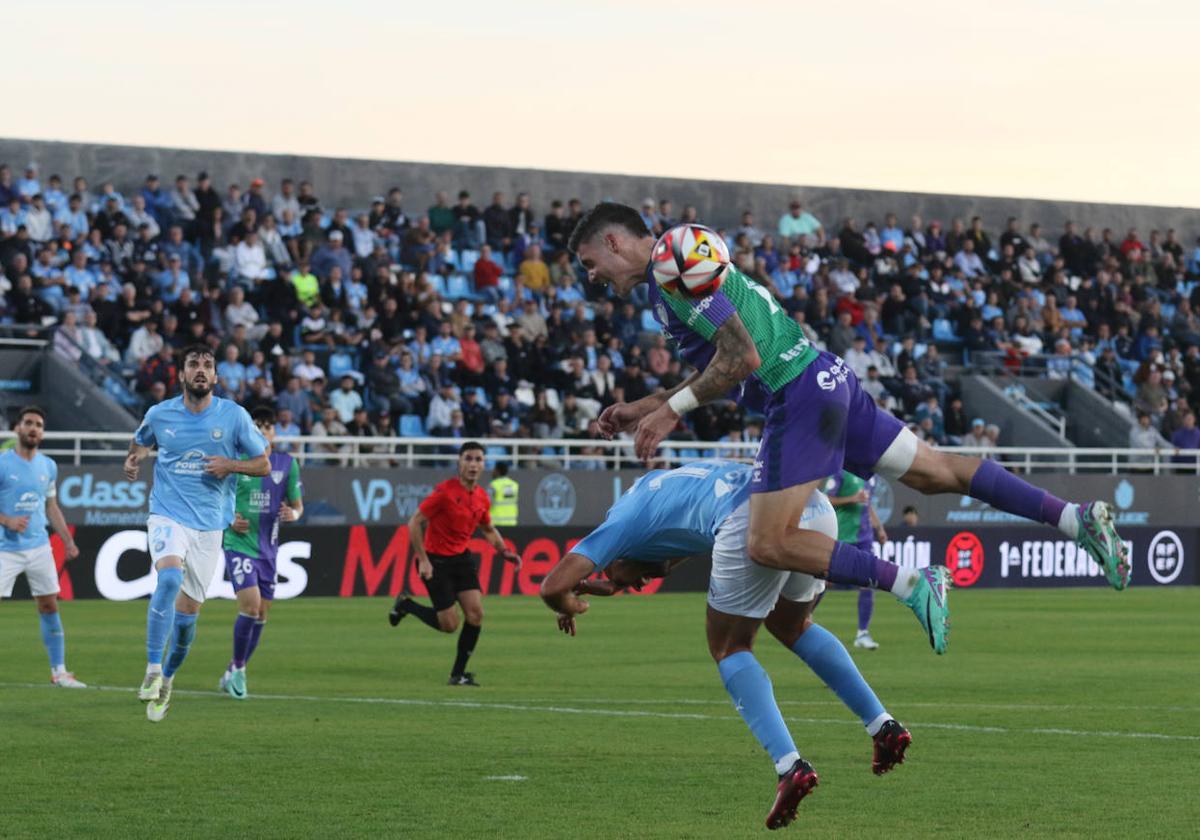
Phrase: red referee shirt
pixel 454 513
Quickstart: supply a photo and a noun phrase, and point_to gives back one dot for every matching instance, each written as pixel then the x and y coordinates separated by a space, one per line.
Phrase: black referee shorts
pixel 451 574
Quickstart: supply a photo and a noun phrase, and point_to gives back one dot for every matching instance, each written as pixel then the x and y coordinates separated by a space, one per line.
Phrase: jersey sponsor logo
pixel 698 310
pixel 259 501
pixel 189 463
pixel 964 558
pixel 797 350
pixel 28 502
pixel 828 380
pixel 1165 557
pixel 555 499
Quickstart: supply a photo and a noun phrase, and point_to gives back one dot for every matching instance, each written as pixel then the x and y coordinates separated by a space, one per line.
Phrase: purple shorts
pixel 251 571
pixel 817 425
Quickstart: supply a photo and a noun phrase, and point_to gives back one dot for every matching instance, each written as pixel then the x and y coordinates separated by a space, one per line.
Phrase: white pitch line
pixel 633 713
pixel 1015 707
pixel 506 778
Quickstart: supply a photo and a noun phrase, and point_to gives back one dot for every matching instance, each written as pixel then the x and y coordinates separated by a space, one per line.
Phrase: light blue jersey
pixel 24 488
pixel 669 513
pixel 183 492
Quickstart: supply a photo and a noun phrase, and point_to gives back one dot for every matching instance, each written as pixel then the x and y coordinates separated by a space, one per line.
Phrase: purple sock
pixel 866 606
pixel 856 567
pixel 255 635
pixel 1004 491
pixel 243 628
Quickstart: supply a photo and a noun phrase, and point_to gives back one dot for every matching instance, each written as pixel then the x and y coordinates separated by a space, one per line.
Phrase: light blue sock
pixel 750 688
pixel 181 642
pixel 830 661
pixel 53 639
pixel 161 613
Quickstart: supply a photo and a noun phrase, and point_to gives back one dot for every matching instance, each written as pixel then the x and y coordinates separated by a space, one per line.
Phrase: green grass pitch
pixel 1068 713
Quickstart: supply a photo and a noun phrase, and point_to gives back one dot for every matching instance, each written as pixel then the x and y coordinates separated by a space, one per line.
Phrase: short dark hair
pixel 263 415
pixel 196 350
pixel 468 446
pixel 603 215
pixel 501 468
pixel 32 409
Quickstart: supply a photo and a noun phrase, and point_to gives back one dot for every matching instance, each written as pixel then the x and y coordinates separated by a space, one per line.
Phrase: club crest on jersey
pixel 217 434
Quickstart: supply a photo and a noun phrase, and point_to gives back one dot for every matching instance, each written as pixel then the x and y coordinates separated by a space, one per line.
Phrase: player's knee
pixel 788 631
pixel 765 550
pixel 447 622
pixel 474 616
pixel 47 606
pixel 721 651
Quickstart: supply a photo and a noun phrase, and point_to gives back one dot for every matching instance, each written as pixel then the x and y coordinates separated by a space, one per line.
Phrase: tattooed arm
pixel 735 359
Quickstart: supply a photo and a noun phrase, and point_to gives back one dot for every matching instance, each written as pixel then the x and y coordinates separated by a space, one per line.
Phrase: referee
pixel 452 512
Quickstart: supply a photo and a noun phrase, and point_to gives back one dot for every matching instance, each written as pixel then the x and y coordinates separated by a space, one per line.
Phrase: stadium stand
pixel 411 310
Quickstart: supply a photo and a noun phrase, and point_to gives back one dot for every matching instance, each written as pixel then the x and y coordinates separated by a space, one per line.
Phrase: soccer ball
pixel 691 259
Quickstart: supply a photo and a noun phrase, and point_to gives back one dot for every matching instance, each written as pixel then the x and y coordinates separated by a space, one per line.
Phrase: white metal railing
pixel 98 447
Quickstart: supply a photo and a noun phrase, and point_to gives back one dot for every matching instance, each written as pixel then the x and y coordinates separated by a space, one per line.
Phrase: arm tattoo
pixel 735 359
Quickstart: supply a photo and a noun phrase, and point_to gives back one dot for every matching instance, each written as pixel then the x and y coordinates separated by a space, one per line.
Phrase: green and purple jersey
pixel 854 519
pixel 259 499
pixel 693 321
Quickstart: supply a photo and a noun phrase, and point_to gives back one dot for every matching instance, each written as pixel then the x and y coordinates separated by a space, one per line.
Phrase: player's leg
pixel 791 623
pixel 243 573
pixel 932 471
pixel 167 548
pixel 866 608
pixel 256 634
pixel 804 442
pixel 42 575
pixel 266 597
pixel 740 594
pixel 201 560
pixel 471 601
pixel 443 615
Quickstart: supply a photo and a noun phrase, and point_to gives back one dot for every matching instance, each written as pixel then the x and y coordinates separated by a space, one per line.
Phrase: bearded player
pixel 251 545
pixel 28 500
pixel 818 419
pixel 203 443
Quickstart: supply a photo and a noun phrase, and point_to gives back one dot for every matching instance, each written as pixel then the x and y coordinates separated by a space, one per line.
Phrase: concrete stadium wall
pixel 351 183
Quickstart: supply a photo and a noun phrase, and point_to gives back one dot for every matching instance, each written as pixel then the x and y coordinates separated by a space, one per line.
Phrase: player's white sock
pixel 153 667
pixel 785 764
pixel 58 669
pixel 1068 523
pixel 874 726
pixel 906 582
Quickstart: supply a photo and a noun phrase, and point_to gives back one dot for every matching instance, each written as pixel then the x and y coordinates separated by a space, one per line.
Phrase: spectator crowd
pixel 458 321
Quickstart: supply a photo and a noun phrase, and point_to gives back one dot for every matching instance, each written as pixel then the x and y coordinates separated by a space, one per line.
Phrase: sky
pixel 1087 100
